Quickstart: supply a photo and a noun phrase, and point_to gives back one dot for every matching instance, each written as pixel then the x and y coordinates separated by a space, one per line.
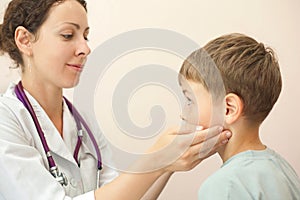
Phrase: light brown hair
pixel 248 69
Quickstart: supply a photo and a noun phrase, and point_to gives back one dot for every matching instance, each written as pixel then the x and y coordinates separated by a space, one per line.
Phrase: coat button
pixel 73 182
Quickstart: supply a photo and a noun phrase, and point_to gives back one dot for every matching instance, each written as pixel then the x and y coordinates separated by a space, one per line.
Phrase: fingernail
pixel 220 129
pixel 228 134
pixel 199 128
pixel 224 141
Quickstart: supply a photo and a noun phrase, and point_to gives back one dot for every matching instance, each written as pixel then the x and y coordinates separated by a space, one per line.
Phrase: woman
pixel 48 40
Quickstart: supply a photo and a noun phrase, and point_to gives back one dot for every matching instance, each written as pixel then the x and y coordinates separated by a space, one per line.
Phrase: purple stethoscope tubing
pixel 78 119
pixel 23 98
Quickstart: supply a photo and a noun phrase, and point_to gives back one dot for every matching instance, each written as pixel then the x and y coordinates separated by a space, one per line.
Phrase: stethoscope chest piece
pixel 59 176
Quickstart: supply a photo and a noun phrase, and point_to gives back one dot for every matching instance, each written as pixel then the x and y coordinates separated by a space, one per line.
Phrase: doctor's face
pixel 60 48
pixel 198 106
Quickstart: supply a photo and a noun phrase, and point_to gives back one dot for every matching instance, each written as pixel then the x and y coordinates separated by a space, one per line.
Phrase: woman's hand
pixel 182 151
pixel 174 151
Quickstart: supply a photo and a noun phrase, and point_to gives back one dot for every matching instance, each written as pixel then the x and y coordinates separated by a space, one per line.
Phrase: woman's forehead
pixel 67 11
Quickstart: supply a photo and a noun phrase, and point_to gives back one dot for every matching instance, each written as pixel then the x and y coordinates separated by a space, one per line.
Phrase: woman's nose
pixel 83 48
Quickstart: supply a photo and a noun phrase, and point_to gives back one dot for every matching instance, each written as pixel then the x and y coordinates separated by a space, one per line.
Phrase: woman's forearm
pixel 128 186
pixel 156 189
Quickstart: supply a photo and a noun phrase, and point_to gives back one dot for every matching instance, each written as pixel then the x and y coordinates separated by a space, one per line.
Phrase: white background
pixel 273 22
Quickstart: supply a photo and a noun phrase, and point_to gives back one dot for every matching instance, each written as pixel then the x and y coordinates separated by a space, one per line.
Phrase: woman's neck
pixel 50 99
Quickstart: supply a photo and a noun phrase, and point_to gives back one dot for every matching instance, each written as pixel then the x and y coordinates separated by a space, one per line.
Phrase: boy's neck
pixel 244 137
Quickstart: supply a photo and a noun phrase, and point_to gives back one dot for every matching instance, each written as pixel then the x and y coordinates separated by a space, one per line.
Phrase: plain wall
pixel 273 22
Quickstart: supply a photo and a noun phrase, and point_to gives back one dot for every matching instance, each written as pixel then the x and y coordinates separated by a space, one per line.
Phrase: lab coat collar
pixel 54 140
pixel 57 145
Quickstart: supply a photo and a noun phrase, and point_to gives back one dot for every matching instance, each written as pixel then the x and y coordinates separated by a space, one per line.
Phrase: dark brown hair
pixel 30 14
pixel 248 69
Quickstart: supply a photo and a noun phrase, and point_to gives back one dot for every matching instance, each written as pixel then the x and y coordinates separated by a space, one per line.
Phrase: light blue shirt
pixel 252 175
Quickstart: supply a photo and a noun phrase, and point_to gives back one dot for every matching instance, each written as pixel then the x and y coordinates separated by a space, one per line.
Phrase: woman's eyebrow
pixel 76 25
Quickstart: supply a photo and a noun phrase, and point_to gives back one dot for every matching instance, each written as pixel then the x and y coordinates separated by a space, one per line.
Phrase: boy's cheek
pixel 204 123
pixel 190 115
pixel 204 117
pixel 192 119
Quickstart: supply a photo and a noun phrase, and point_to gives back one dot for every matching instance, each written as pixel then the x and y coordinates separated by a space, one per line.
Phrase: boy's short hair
pixel 248 69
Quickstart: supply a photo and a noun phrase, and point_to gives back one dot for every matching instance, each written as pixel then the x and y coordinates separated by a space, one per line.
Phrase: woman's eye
pixel 67 36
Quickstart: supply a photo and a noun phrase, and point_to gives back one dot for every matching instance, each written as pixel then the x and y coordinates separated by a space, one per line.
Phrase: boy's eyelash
pixel 189 101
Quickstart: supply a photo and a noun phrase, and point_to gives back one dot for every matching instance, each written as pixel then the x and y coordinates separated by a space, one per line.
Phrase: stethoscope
pixel 60 176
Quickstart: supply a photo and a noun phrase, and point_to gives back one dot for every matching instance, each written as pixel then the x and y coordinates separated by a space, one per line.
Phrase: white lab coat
pixel 24 168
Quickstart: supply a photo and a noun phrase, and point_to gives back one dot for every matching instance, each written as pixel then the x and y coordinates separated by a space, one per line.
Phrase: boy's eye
pixel 189 101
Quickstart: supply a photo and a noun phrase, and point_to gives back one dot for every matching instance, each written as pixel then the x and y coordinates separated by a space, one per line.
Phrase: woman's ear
pixel 234 108
pixel 23 39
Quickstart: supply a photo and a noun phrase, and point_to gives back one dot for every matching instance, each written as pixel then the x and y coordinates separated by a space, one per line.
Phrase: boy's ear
pixel 23 39
pixel 234 108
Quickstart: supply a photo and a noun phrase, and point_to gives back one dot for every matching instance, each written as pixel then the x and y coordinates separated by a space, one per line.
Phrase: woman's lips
pixel 77 67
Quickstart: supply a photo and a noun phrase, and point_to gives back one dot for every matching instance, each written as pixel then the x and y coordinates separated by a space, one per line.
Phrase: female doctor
pixel 47 150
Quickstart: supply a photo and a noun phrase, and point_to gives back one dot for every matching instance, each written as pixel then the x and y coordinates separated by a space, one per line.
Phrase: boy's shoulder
pixel 219 185
pixel 252 174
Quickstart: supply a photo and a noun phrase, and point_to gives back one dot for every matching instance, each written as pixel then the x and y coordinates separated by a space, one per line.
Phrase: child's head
pixel 250 74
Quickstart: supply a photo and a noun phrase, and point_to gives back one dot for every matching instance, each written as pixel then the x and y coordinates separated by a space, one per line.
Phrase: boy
pixel 252 84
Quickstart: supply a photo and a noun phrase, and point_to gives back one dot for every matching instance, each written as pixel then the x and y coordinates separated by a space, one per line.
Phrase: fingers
pixel 198 146
pixel 209 147
pixel 178 131
pixel 208 139
pixel 206 134
pixel 223 138
pixel 200 151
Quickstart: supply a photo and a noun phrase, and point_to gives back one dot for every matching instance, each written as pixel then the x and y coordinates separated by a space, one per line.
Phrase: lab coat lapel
pixel 88 147
pixel 54 140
